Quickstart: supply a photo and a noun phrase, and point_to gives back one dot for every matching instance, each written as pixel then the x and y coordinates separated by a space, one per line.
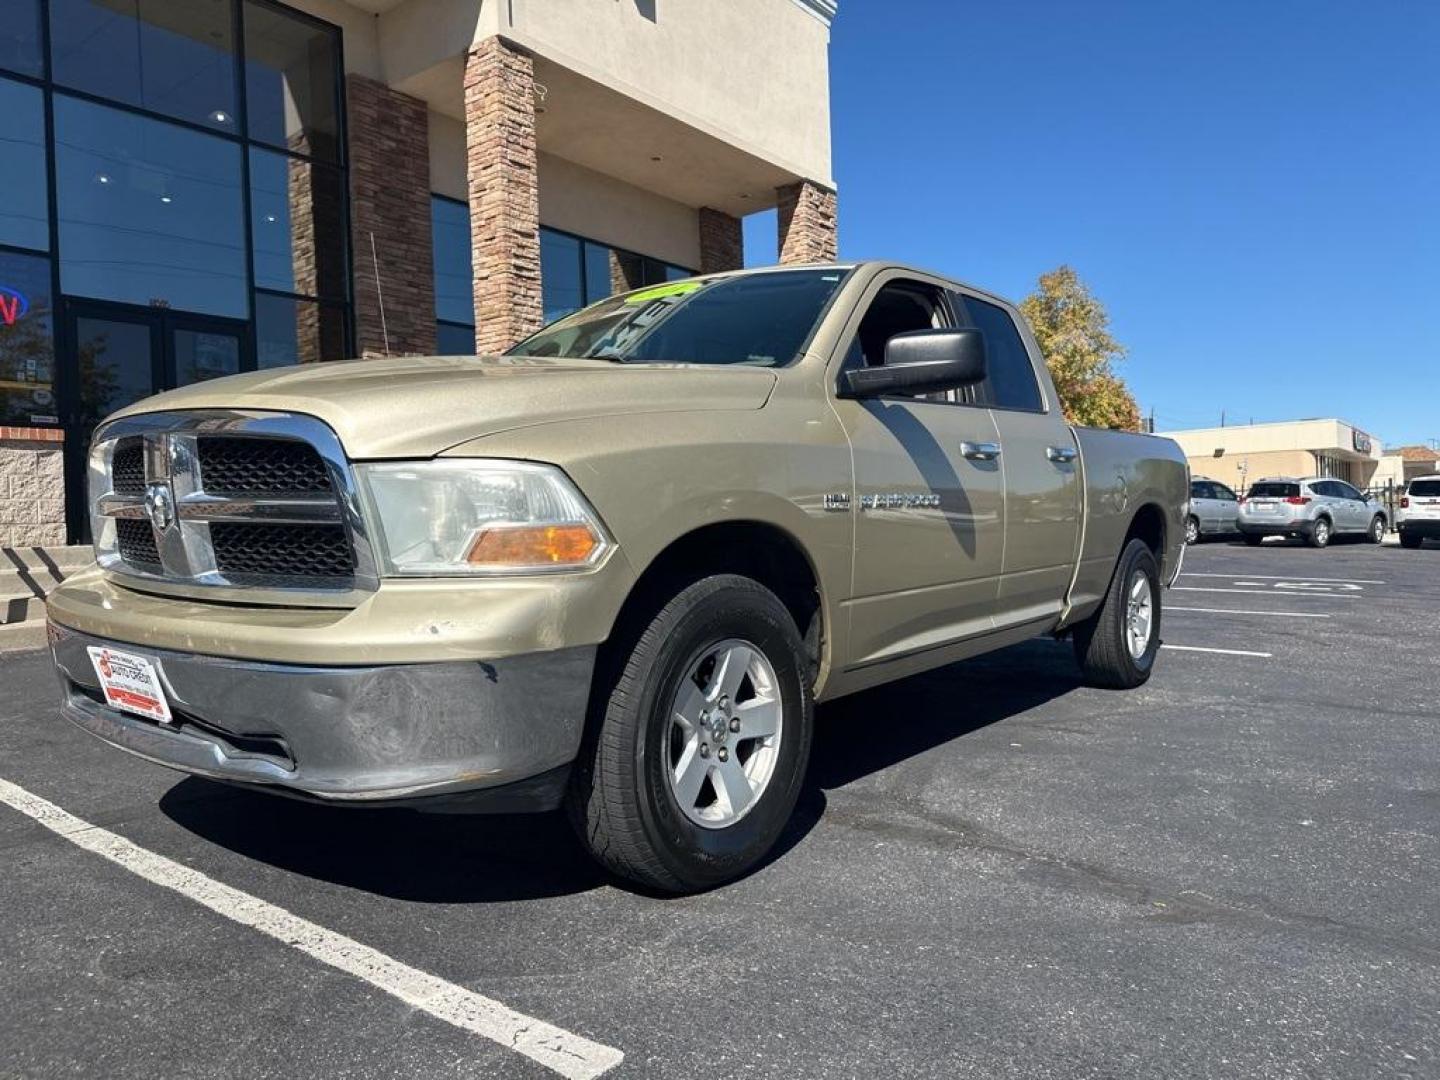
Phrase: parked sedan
pixel 1314 508
pixel 1214 510
pixel 1418 516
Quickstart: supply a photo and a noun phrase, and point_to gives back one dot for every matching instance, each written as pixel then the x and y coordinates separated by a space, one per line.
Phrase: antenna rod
pixel 379 293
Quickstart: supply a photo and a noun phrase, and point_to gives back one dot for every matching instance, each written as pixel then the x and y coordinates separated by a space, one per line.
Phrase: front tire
pixel 1192 530
pixel 1116 647
pixel 1319 535
pixel 1376 535
pixel 701 739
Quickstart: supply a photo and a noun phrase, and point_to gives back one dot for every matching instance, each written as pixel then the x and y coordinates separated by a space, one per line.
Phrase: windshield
pixel 763 319
pixel 1273 490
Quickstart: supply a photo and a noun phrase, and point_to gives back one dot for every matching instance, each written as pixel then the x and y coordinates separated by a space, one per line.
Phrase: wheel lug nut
pixel 704 749
pixel 734 723
pixel 724 754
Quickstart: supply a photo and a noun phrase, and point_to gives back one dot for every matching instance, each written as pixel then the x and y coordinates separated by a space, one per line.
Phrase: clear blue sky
pixel 1253 189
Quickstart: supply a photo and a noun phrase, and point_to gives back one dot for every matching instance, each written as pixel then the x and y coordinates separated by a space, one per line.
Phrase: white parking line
pixel 571 1056
pixel 1288 577
pixel 1237 611
pixel 1222 652
pixel 1265 592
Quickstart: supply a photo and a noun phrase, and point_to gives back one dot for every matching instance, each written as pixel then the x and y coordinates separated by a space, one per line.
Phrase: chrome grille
pixel 241 466
pixel 261 501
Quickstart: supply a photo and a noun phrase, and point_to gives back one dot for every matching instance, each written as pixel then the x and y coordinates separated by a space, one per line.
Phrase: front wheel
pixel 696 758
pixel 1192 531
pixel 1117 645
pixel 1319 535
pixel 1376 535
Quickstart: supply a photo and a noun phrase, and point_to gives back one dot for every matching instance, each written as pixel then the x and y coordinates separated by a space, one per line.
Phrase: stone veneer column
pixel 807 215
pixel 722 241
pixel 390 200
pixel 504 193
pixel 32 506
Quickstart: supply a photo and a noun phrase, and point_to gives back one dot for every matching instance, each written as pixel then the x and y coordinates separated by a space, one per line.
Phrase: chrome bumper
pixel 356 734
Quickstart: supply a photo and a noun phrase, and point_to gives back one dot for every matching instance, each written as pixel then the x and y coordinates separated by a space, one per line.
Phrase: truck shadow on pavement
pixel 458 859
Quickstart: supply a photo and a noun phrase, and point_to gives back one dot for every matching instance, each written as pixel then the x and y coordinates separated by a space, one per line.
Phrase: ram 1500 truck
pixel 614 569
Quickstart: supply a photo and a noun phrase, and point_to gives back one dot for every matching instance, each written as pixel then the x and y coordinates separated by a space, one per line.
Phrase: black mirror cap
pixel 921 362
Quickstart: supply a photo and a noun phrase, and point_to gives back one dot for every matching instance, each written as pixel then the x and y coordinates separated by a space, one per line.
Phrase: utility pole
pixel 1222 417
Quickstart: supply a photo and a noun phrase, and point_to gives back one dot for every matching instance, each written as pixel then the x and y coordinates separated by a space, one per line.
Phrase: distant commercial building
pixel 1237 456
pixel 1416 461
pixel 194 188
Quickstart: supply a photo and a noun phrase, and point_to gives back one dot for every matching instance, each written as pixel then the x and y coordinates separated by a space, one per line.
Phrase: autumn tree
pixel 1073 331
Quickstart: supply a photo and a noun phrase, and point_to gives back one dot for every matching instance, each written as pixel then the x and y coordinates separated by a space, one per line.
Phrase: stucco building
pixel 1239 455
pixel 200 187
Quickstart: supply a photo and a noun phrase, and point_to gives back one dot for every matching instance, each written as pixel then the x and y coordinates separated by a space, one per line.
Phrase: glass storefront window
pixel 149 213
pixel 27 344
pixel 201 355
pixel 24 203
pixel 20 36
pixel 561 285
pixel 297 225
pixel 453 340
pixel 576 272
pixel 171 58
pixel 454 278
pixel 290 331
pixel 292 69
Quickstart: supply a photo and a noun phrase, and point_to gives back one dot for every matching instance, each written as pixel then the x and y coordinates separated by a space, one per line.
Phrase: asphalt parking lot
pixel 995 872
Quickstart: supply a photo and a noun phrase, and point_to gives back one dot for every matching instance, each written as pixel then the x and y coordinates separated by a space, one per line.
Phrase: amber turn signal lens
pixel 533 545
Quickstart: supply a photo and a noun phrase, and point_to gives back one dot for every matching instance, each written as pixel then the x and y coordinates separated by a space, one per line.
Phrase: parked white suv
pixel 1314 508
pixel 1418 516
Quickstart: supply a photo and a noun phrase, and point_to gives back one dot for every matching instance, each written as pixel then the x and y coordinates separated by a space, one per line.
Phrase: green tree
pixel 1073 332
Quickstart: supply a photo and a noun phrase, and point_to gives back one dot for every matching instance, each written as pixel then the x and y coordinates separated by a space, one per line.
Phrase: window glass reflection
pixel 289 331
pixel 561 286
pixel 173 58
pixel 117 365
pixel 149 213
pixel 27 349
pixel 454 280
pixel 20 36
pixel 297 224
pixel 200 356
pixel 291 81
pixel 24 217
pixel 453 340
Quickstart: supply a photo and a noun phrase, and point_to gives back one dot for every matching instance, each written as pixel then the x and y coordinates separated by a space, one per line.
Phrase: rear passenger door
pixel 1355 509
pixel 1227 508
pixel 1039 459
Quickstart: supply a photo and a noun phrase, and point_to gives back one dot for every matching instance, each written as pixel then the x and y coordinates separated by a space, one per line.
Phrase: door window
pixel 898 308
pixel 1199 489
pixel 1223 493
pixel 1010 382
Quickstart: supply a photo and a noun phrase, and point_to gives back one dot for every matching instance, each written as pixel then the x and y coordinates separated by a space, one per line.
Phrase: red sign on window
pixel 13 306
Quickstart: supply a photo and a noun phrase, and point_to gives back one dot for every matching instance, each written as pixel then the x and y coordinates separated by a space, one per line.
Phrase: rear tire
pixel 1192 530
pixel 1376 535
pixel 1253 539
pixel 630 801
pixel 1410 540
pixel 1116 647
pixel 1319 534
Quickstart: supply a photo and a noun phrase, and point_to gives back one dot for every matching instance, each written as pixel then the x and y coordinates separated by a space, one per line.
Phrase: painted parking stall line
pixel 1219 652
pixel 1266 592
pixel 1246 611
pixel 1283 577
pixel 571 1056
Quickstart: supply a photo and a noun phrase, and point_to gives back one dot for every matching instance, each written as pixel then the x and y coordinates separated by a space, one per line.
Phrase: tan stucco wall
pixel 598 207
pixel 1228 469
pixel 581 201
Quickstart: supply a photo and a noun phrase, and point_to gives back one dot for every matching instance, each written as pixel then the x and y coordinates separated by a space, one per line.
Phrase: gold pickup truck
pixel 613 569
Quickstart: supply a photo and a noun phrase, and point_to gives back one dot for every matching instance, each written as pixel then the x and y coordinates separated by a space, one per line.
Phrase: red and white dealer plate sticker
pixel 130 683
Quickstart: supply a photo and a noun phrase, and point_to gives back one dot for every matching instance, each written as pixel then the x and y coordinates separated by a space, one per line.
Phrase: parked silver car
pixel 1314 508
pixel 1418 516
pixel 1214 510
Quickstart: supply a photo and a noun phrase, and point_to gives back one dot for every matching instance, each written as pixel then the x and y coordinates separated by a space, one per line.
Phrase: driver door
pixel 928 501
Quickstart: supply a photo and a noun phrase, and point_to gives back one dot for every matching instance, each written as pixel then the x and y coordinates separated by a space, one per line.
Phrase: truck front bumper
pixel 496 736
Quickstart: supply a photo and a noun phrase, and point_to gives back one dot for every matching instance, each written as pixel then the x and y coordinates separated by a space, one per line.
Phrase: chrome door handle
pixel 1063 454
pixel 980 451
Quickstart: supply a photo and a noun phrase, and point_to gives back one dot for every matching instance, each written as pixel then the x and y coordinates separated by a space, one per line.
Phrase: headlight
pixel 480 517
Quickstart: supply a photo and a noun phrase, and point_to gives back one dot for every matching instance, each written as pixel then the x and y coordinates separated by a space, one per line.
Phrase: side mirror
pixel 921 362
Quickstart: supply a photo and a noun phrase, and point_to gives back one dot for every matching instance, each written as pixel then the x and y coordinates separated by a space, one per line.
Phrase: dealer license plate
pixel 130 683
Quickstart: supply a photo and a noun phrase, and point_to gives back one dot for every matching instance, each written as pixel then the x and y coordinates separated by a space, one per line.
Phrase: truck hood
pixel 419 407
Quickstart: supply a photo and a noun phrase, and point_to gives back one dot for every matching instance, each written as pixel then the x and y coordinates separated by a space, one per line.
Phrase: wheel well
pixel 1148 526
pixel 766 553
